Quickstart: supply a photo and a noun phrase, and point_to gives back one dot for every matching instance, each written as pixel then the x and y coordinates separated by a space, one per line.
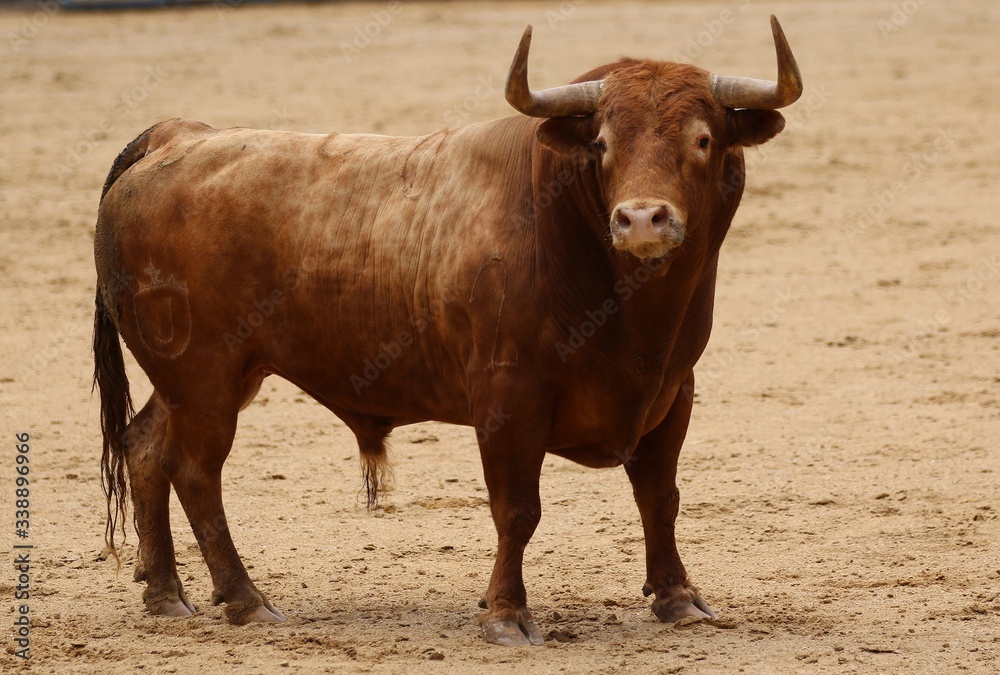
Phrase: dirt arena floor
pixel 839 484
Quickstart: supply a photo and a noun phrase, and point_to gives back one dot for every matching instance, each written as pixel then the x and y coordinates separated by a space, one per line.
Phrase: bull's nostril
pixel 657 218
pixel 622 220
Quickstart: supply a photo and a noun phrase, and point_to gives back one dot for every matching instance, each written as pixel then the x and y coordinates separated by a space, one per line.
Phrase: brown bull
pixel 548 282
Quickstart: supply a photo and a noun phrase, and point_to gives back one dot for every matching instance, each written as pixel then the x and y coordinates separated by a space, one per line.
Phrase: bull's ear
pixel 568 135
pixel 753 127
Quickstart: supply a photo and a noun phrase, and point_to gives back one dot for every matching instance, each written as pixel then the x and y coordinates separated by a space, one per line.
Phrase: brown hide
pixel 472 276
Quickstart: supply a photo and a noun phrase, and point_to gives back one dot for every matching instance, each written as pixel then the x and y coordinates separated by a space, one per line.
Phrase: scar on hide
pixel 325 151
pixel 175 157
pixel 415 170
pixel 498 285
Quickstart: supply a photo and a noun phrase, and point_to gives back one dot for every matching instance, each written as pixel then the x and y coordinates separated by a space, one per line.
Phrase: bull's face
pixel 654 167
pixel 661 135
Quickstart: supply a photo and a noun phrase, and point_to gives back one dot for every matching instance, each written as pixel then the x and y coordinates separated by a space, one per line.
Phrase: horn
pixel 568 101
pixel 746 92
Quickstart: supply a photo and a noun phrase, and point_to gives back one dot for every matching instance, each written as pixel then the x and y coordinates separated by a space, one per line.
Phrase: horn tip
pixel 522 47
pixel 776 28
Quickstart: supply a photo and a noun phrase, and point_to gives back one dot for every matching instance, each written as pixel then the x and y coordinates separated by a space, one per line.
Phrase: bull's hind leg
pixel 144 438
pixel 652 469
pixel 201 438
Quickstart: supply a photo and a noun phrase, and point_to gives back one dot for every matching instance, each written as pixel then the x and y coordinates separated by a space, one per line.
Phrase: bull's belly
pixel 380 386
pixel 594 456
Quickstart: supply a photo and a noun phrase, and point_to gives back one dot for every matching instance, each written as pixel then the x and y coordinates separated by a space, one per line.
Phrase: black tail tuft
pixel 376 470
pixel 116 412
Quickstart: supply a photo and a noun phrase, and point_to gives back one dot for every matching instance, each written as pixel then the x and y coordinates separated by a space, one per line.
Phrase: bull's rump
pixel 311 256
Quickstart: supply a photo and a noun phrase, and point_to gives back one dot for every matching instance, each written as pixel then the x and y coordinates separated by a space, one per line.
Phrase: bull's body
pixel 465 277
pixel 390 278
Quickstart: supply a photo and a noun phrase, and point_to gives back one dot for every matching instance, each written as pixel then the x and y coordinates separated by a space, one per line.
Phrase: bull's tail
pixel 116 412
pixel 109 373
pixel 375 469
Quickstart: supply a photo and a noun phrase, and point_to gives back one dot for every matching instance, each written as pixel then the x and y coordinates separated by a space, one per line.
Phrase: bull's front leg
pixel 652 469
pixel 512 450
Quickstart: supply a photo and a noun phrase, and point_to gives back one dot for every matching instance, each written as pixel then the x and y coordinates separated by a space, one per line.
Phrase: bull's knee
pixel 518 522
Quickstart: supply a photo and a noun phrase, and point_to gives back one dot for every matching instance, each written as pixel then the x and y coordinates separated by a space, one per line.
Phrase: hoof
pixel 172 608
pixel 511 632
pixel 265 613
pixel 674 610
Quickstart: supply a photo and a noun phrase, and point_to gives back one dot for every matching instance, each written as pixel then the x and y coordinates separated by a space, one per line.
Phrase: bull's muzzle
pixel 647 228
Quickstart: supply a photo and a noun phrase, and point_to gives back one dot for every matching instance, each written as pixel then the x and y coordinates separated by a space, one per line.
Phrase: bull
pixel 547 278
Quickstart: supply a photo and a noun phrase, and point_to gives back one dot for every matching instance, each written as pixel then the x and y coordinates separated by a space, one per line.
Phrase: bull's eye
pixel 601 145
pixel 703 142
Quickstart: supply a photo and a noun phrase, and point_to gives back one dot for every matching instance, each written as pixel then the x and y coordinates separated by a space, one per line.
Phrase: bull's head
pixel 660 133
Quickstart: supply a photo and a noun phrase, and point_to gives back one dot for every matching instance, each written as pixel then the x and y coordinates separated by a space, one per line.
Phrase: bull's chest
pixel 599 423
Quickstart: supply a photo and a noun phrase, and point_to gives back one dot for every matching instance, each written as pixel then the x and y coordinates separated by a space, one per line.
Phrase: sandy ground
pixel 839 484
